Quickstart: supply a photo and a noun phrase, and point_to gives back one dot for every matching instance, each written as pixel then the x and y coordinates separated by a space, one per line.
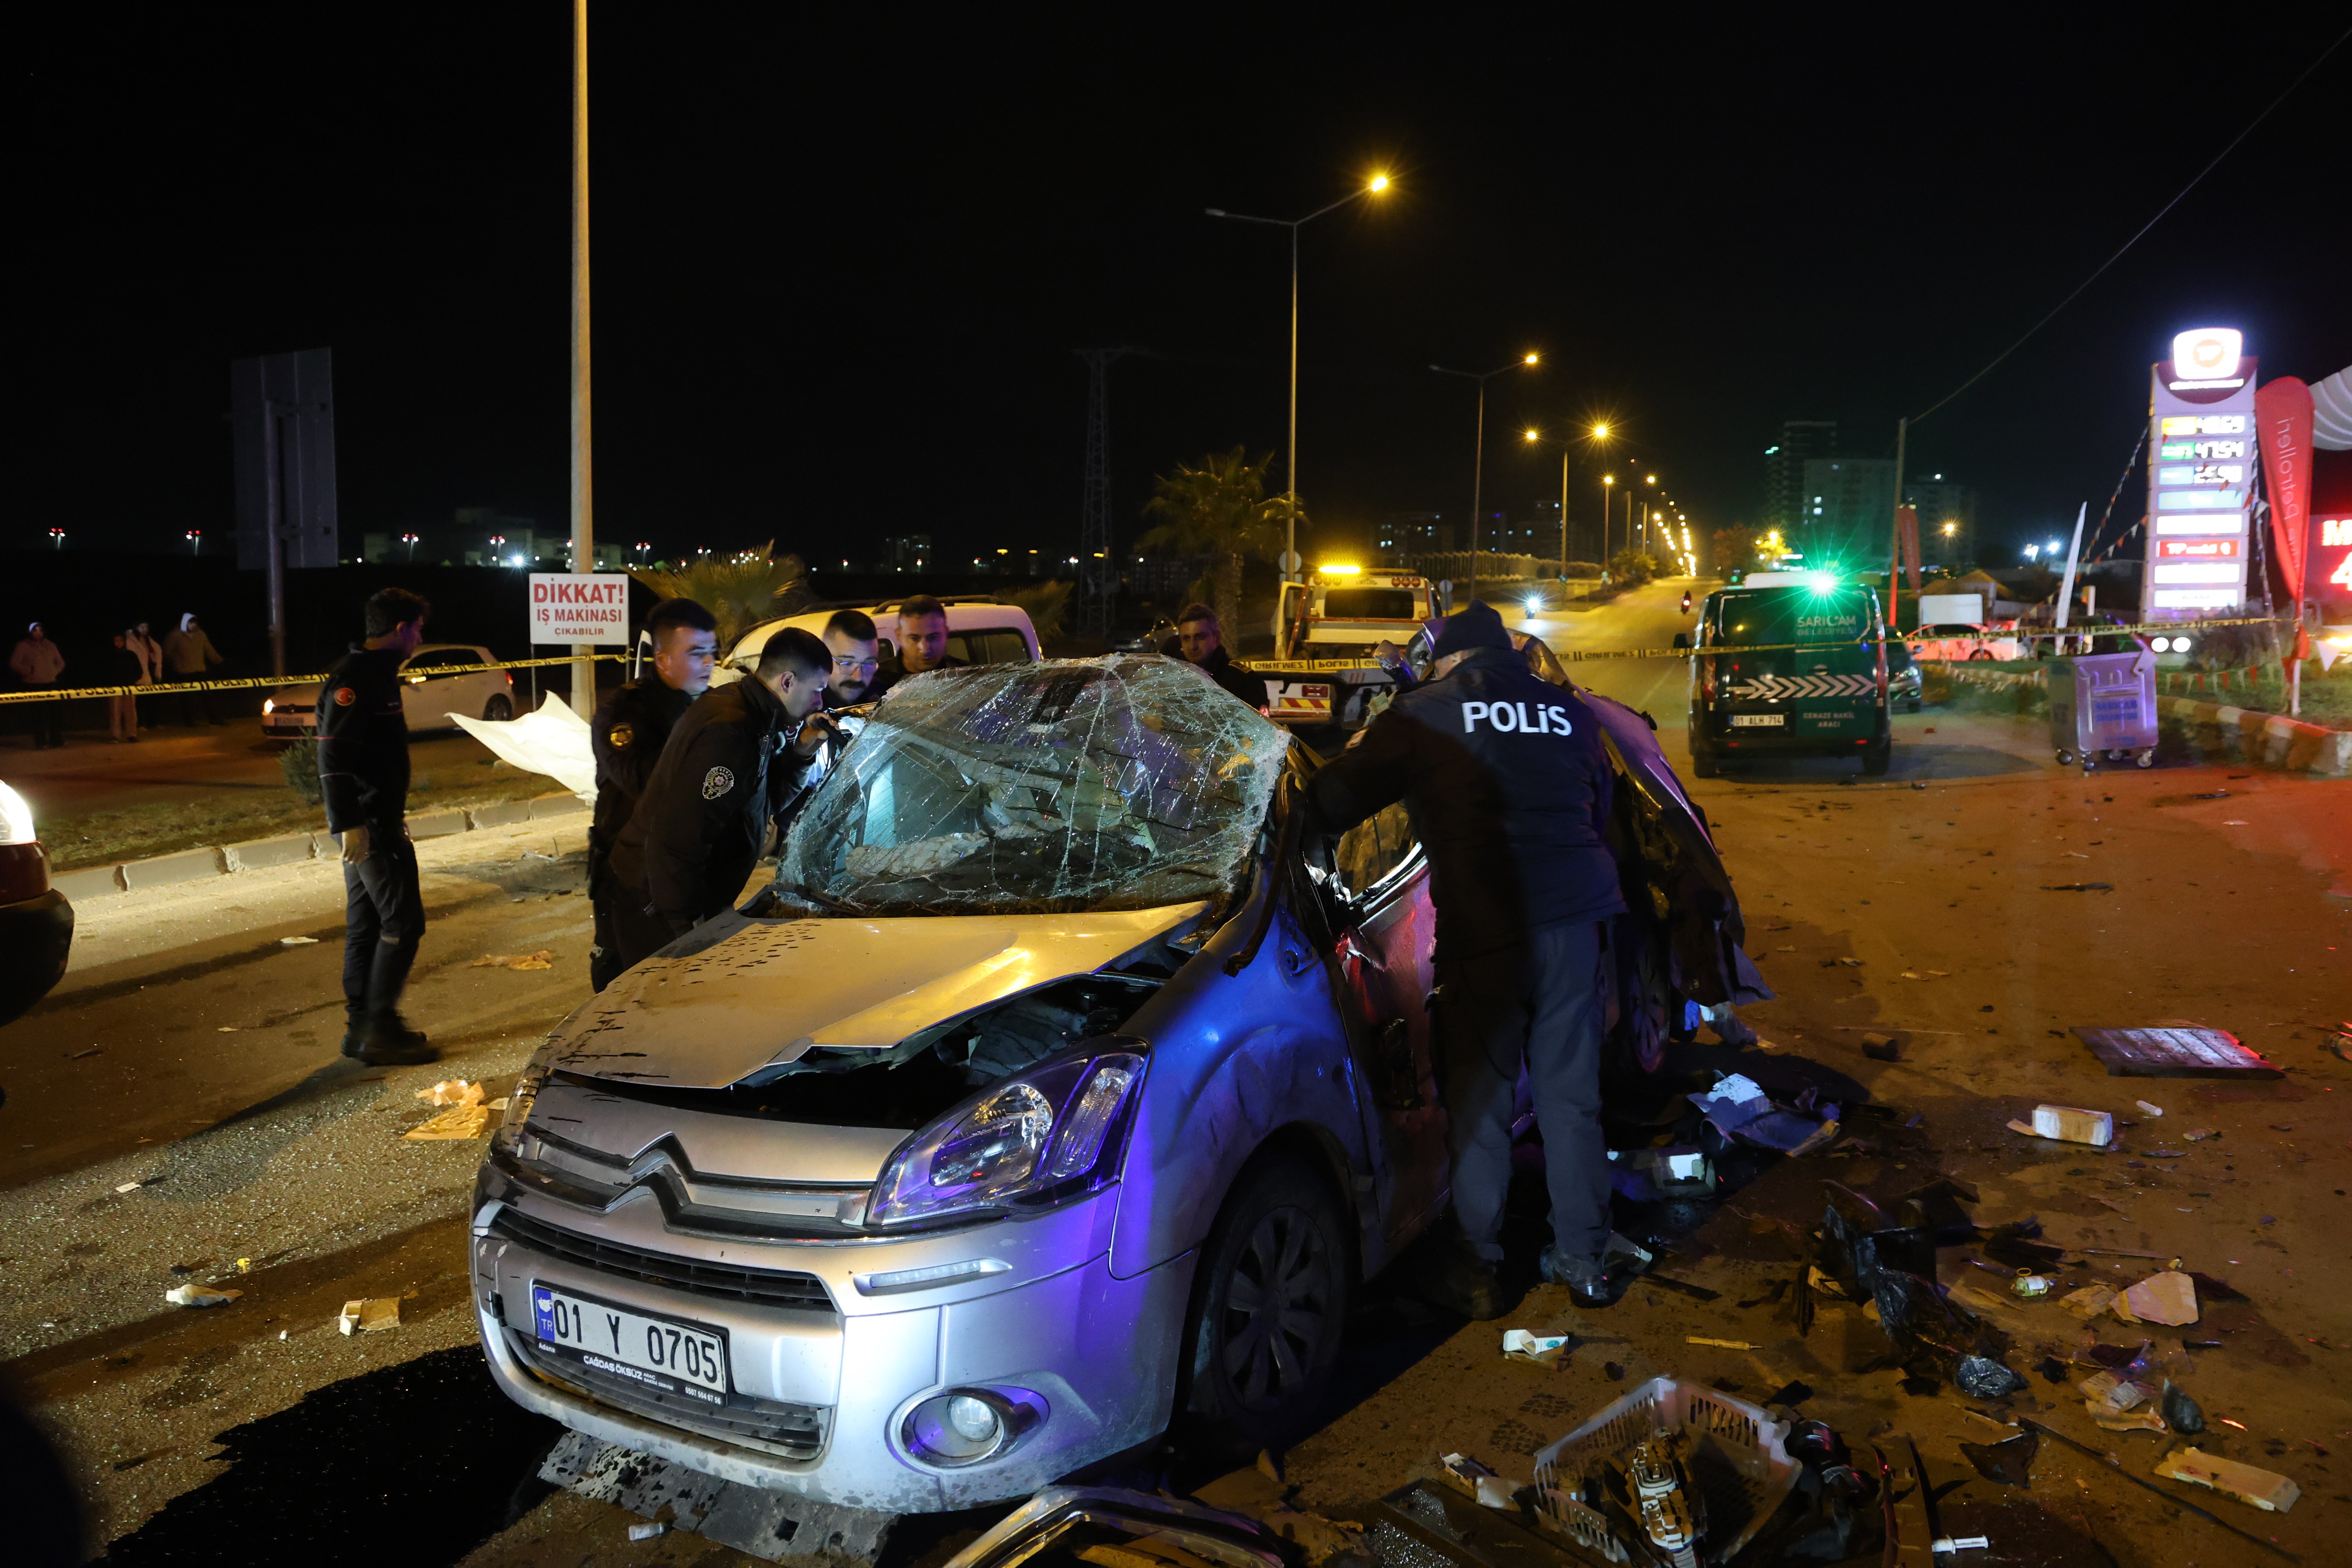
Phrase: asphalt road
pixel 176 765
pixel 216 1084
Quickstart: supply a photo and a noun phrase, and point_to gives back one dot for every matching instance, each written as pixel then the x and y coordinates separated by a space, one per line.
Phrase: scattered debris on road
pixel 200 1296
pixel 2171 1052
pixel 466 1117
pixel 298 941
pixel 2265 1490
pixel 369 1315
pixel 1543 1350
pixel 542 959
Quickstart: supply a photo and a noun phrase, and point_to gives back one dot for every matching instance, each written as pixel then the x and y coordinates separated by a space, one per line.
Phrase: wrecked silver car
pixel 1060 1087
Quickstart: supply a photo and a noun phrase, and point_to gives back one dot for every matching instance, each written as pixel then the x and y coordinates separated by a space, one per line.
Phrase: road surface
pixel 216 1084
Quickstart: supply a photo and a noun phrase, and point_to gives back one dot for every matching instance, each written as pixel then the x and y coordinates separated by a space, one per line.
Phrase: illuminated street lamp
pixel 1376 186
pixel 1478 464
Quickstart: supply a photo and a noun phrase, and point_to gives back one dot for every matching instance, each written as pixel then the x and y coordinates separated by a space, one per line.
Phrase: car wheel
pixel 499 709
pixel 1269 1306
pixel 1878 757
pixel 1983 653
pixel 1703 766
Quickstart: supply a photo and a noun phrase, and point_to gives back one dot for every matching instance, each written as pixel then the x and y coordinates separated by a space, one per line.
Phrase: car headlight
pixel 16 818
pixel 508 1135
pixel 1054 1133
pixel 270 705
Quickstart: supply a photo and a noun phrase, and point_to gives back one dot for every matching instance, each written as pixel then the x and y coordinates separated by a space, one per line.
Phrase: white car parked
pixel 980 631
pixel 432 690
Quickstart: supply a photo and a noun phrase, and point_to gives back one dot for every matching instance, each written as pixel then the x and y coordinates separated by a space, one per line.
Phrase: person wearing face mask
pixel 628 734
pixel 737 759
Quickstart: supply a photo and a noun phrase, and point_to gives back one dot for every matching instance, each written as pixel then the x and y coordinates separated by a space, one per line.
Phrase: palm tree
pixel 1218 509
pixel 741 590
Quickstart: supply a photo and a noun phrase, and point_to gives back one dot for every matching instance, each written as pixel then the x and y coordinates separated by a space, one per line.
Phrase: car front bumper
pixel 821 1394
pixel 36 939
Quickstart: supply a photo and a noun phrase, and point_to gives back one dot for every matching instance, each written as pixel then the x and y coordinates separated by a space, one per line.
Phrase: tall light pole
pixel 584 510
pixel 1478 463
pixel 1534 434
pixel 1608 500
pixel 1374 187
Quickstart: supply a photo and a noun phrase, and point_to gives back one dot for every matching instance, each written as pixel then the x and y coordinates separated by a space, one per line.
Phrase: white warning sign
pixel 580 606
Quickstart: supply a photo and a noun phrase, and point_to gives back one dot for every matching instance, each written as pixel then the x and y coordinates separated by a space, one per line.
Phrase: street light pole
pixel 1478 462
pixel 583 523
pixel 1372 187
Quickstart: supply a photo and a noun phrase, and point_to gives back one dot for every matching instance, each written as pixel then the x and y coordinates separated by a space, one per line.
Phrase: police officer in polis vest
pixel 363 776
pixel 628 733
pixel 1509 787
pixel 730 767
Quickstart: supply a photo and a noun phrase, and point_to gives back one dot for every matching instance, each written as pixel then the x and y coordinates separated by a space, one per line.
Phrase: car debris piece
pixel 298 941
pixel 2112 1463
pixel 542 959
pixel 128 1186
pixel 1470 1476
pixel 451 1091
pixel 2180 1413
pixel 650 1530
pixel 2072 1124
pixel 466 1117
pixel 2152 1110
pixel 1738 1108
pixel 2009 1461
pixel 1720 1345
pixel 1623 1485
pixel 1959 1544
pixel 1882 1048
pixel 369 1315
pixel 2265 1490
pixel 1544 1349
pixel 2169 1298
pixel 200 1296
pixel 2174 1052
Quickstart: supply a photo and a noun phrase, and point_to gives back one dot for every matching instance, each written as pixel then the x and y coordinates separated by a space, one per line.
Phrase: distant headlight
pixel 16 818
pixel 1056 1131
pixel 270 705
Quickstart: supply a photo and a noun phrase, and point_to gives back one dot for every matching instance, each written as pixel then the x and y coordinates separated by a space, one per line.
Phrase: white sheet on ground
pixel 554 741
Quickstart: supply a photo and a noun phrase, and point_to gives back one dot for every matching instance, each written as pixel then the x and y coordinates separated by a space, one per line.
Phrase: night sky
pixel 842 259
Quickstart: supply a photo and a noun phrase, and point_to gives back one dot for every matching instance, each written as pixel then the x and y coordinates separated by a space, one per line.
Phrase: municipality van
pixel 1790 664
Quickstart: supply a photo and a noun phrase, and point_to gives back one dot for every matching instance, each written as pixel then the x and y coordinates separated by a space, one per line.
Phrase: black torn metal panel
pixel 2174 1053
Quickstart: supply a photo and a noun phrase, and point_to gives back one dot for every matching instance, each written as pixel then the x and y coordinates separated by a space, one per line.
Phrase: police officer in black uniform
pixel 628 733
pixel 730 767
pixel 363 775
pixel 1509 786
pixel 1202 642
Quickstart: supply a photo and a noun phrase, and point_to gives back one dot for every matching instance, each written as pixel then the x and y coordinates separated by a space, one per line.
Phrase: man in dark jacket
pixel 363 775
pixel 921 645
pixel 732 764
pixel 1509 786
pixel 628 734
pixel 1201 641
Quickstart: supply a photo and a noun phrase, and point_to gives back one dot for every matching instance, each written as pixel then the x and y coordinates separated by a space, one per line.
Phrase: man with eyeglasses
pixel 851 640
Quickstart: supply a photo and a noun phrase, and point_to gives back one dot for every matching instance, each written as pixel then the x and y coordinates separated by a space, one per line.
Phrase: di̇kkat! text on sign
pixel 580 607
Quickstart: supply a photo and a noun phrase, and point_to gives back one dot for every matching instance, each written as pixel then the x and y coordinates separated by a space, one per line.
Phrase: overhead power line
pixel 2317 61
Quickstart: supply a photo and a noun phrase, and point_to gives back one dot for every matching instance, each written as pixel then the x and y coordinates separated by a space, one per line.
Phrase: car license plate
pixel 1759 720
pixel 661 1352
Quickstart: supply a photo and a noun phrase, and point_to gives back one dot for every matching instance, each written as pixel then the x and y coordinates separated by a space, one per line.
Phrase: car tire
pixel 1703 766
pixel 499 709
pixel 1912 706
pixel 1257 1360
pixel 1878 756
pixel 1983 653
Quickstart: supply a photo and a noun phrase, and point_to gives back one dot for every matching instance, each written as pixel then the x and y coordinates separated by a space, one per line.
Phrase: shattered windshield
pixel 1070 785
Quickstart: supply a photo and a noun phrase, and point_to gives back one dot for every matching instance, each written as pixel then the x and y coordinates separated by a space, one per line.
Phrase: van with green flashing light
pixel 1753 694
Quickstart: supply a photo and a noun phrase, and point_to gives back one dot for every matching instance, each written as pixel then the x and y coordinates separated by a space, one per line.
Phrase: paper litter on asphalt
pixel 369 1315
pixel 200 1296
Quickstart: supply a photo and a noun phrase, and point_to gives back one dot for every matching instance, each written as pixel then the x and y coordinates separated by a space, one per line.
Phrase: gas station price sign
pixel 2199 476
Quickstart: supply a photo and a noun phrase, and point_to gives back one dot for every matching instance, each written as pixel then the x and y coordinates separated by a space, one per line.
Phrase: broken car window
pixel 1076 785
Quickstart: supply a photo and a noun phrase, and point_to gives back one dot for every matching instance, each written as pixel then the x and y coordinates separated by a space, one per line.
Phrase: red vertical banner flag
pixel 1906 524
pixel 2282 414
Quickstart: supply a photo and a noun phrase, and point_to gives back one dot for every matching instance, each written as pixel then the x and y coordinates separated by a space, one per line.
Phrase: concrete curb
pixel 2266 739
pixel 222 860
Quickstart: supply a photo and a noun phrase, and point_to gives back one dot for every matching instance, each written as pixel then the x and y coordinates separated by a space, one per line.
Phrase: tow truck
pixel 1327 630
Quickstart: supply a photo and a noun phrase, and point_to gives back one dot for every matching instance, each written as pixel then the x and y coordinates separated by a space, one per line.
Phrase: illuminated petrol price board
pixel 2201 450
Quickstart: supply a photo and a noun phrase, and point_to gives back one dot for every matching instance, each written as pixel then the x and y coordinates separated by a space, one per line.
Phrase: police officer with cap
pixel 730 767
pixel 363 776
pixel 628 733
pixel 1509 786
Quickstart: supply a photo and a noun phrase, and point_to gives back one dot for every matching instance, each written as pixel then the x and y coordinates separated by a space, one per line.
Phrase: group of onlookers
pixel 183 656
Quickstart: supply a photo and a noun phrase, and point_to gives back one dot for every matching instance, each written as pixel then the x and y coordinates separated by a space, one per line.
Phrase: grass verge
pixel 136 832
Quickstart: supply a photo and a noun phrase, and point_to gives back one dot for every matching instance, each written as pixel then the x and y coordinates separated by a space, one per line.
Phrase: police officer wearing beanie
pixel 733 763
pixel 628 733
pixel 1509 786
pixel 363 776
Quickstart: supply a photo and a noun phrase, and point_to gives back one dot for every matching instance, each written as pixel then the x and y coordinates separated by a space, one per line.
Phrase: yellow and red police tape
pixel 269 682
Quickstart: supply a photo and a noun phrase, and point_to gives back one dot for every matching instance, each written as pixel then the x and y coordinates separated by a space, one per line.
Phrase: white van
pixel 980 631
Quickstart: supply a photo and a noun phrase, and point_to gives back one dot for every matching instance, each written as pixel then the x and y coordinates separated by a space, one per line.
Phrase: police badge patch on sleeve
pixel 345 697
pixel 715 782
pixel 620 735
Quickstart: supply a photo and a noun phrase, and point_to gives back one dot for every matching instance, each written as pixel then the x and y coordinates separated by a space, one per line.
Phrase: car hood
pixel 752 993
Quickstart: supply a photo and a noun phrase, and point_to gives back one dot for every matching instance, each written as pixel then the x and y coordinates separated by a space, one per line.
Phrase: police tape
pixel 1594 655
pixel 269 682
